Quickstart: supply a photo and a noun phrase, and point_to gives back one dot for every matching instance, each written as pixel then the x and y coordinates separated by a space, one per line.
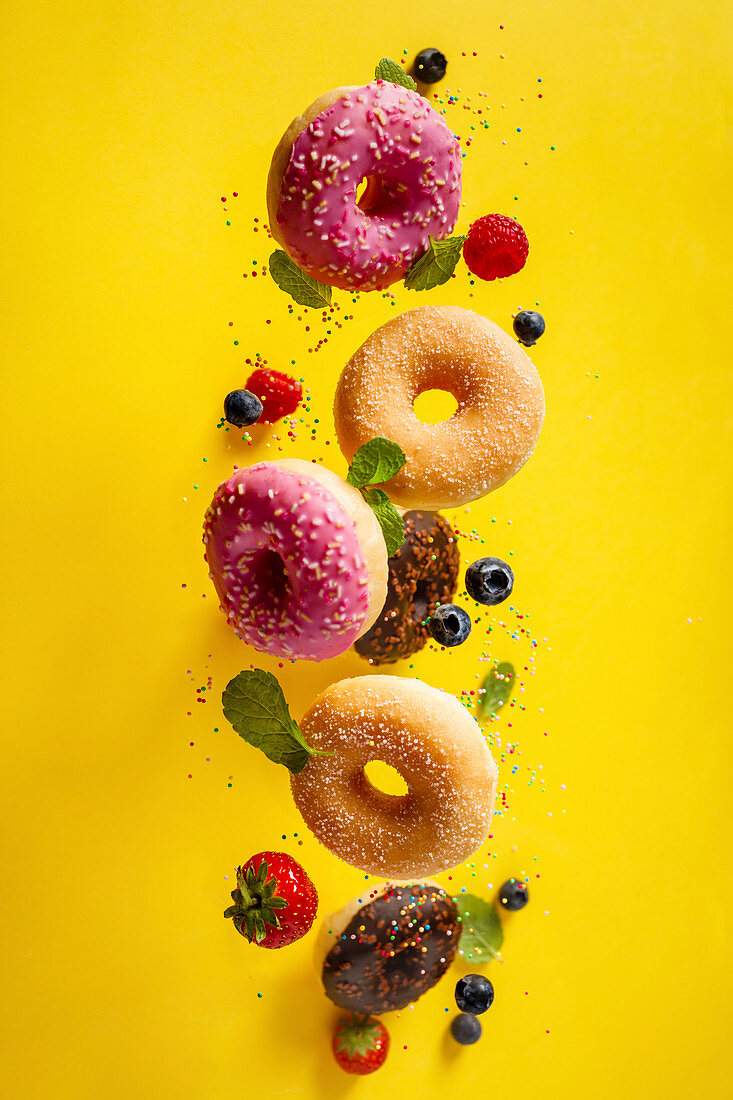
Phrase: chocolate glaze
pixel 422 574
pixel 393 950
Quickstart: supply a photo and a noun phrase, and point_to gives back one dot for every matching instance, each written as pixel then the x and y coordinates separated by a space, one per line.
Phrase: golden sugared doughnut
pixel 494 430
pixel 438 749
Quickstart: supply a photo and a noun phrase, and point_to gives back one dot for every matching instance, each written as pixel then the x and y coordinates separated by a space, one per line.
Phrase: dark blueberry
pixel 430 66
pixel 465 1029
pixel 474 994
pixel 513 895
pixel 449 624
pixel 528 327
pixel 489 581
pixel 242 408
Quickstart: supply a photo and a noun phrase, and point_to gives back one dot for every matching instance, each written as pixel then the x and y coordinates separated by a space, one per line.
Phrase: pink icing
pixel 286 563
pixel 381 132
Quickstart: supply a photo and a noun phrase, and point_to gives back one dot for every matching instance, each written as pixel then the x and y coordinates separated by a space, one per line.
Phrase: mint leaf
pixel 387 69
pixel 376 461
pixel 437 265
pixel 255 705
pixel 390 520
pixel 301 288
pixel 496 688
pixel 482 934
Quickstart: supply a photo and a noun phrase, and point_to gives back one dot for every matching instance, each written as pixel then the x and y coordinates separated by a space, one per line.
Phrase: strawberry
pixel 279 393
pixel 360 1045
pixel 496 246
pixel 275 902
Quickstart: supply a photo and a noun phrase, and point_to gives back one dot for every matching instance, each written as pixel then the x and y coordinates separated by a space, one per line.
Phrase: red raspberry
pixel 496 246
pixel 279 393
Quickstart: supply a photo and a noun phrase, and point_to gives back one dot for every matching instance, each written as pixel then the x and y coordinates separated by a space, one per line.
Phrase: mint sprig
pixel 301 287
pixel 374 463
pixel 437 265
pixel 482 934
pixel 255 705
pixel 496 689
pixel 389 519
pixel 387 69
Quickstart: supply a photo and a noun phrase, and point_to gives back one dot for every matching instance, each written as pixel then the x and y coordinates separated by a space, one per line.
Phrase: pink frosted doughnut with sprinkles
pixel 411 161
pixel 297 558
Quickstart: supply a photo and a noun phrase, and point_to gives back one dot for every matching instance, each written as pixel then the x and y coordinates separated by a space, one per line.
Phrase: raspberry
pixel 279 393
pixel 496 246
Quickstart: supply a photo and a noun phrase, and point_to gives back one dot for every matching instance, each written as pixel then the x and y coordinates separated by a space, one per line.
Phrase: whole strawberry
pixel 496 246
pixel 275 902
pixel 279 393
pixel 360 1045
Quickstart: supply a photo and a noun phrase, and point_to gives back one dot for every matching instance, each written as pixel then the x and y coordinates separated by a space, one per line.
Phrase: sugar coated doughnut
pixel 297 558
pixel 387 947
pixel 422 574
pixel 411 160
pixel 501 404
pixel 435 745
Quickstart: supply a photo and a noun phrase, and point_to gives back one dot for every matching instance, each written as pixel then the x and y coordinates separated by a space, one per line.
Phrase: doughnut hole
pixel 268 579
pixel 420 601
pixel 385 779
pixel 378 196
pixel 435 406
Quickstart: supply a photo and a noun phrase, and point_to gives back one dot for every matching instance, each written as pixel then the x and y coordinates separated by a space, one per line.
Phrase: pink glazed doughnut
pixel 297 558
pixel 411 160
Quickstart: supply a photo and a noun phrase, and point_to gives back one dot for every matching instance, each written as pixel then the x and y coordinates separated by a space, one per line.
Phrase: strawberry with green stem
pixel 275 902
pixel 360 1045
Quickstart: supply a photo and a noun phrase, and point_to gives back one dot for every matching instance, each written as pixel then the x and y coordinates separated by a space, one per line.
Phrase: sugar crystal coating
pixel 435 745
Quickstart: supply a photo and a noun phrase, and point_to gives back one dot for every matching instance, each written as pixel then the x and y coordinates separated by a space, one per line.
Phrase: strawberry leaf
pixel 387 69
pixel 358 1038
pixel 301 287
pixel 437 265
pixel 481 935
pixel 255 705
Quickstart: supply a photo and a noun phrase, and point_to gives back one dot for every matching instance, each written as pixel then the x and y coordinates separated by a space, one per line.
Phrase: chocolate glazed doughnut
pixel 382 952
pixel 422 574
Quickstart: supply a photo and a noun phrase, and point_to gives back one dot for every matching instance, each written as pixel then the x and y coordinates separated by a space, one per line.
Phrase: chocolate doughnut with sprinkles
pixel 383 950
pixel 422 574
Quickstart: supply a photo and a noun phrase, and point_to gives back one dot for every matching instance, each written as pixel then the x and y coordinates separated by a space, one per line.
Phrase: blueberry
pixel 474 994
pixel 489 581
pixel 450 625
pixel 513 895
pixel 465 1029
pixel 242 408
pixel 430 66
pixel 528 327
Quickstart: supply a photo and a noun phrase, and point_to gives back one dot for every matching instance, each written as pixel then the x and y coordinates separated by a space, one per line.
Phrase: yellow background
pixel 123 126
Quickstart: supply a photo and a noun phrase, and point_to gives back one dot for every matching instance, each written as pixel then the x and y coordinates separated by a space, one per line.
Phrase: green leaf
pixel 255 705
pixel 496 689
pixel 301 287
pixel 482 934
pixel 387 69
pixel 437 265
pixel 390 520
pixel 375 462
